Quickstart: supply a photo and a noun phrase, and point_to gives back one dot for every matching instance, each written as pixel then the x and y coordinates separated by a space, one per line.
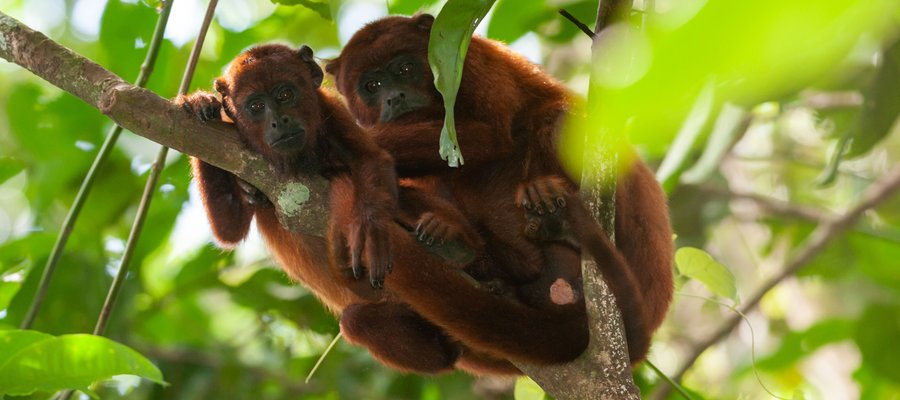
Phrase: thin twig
pixel 88 182
pixel 824 232
pixel 584 28
pixel 150 187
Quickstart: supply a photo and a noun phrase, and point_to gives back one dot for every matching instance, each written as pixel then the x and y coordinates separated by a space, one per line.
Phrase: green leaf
pixel 876 336
pixel 11 342
pixel 514 18
pixel 698 264
pixel 8 290
pixel 447 47
pixel 10 167
pixel 882 104
pixel 408 7
pixel 31 361
pixel 322 8
pixel 527 389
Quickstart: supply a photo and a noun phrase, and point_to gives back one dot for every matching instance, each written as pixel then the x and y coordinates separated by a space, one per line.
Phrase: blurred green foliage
pixel 230 325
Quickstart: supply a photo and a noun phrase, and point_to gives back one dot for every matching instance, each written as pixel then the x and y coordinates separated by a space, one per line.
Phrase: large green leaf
pixel 876 336
pixel 31 361
pixel 698 264
pixel 514 18
pixel 9 167
pixel 408 7
pixel 323 8
pixel 447 47
pixel 756 51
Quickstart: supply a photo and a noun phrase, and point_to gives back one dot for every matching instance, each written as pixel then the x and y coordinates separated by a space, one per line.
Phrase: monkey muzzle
pixel 286 141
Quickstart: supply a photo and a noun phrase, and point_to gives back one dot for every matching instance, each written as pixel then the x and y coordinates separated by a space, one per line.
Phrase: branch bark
pixel 301 202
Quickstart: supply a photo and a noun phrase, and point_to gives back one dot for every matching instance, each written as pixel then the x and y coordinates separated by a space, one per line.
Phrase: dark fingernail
pixel 561 201
pixel 357 272
pixel 430 241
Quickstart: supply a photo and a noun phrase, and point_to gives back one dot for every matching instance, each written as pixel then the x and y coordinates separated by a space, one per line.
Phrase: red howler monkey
pixel 271 94
pixel 508 114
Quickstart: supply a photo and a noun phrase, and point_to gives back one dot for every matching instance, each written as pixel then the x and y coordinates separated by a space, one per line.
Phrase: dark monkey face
pixel 270 93
pixel 273 111
pixel 383 72
pixel 396 87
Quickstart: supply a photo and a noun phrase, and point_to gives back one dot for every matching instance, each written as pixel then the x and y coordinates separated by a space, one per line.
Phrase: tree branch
pixel 301 202
pixel 817 240
pixel 603 371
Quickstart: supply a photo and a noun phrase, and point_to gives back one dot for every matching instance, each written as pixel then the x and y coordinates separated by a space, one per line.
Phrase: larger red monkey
pixel 508 115
pixel 272 95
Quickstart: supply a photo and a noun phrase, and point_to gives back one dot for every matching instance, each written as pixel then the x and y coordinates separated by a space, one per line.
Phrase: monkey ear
pixel 315 71
pixel 221 87
pixel 424 21
pixel 332 66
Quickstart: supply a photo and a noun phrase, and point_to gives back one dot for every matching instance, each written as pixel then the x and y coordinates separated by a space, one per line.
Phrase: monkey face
pixel 396 88
pixel 273 112
pixel 383 72
pixel 270 92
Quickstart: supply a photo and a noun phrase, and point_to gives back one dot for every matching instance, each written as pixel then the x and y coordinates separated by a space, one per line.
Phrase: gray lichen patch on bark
pixel 292 198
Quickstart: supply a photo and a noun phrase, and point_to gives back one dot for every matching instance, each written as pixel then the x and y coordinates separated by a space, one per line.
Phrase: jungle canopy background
pixel 769 124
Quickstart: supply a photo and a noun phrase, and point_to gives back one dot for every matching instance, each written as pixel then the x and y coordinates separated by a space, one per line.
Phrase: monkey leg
pixel 479 363
pixel 479 319
pixel 399 338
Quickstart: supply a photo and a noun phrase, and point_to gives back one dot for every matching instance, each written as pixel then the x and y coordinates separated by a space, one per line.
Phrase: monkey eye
pixel 405 69
pixel 256 106
pixel 284 95
pixel 372 86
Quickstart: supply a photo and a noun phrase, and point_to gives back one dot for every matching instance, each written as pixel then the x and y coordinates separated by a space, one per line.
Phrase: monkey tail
pixel 618 276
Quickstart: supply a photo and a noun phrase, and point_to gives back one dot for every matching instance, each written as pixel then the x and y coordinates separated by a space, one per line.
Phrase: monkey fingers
pixel 204 106
pixel 378 256
pixel 253 195
pixel 543 195
pixel 377 247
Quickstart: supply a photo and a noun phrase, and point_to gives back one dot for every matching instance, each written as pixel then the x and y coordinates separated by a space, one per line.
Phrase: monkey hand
pixel 544 199
pixel 252 195
pixel 544 195
pixel 203 105
pixel 448 239
pixel 370 235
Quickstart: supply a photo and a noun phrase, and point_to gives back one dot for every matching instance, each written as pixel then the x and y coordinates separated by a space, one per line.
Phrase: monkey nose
pixel 396 99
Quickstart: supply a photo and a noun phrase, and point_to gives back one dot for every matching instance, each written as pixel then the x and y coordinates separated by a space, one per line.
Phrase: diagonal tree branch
pixel 301 202
pixel 817 240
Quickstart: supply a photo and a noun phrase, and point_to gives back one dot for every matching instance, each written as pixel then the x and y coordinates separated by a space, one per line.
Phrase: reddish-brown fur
pixel 362 194
pixel 508 114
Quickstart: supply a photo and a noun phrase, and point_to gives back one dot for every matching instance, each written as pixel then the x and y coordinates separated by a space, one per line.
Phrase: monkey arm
pixel 414 146
pixel 227 209
pixel 375 200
